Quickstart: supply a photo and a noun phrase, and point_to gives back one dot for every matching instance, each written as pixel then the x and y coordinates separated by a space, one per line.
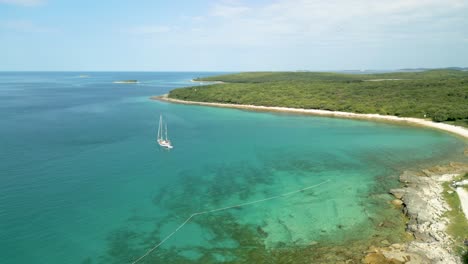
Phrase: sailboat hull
pixel 165 144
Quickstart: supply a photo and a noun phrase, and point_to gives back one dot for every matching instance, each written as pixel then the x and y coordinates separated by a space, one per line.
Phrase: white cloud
pixel 23 2
pixel 229 9
pixel 302 27
pixel 284 22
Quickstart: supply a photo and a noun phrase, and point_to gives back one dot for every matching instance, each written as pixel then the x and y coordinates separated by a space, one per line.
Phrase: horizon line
pixel 233 71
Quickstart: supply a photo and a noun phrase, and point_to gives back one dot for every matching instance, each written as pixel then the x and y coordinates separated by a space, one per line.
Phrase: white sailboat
pixel 162 131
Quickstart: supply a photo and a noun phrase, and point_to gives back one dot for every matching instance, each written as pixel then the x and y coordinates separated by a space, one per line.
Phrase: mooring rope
pixel 222 209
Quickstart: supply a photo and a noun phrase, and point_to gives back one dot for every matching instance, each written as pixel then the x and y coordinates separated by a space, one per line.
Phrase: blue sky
pixel 232 35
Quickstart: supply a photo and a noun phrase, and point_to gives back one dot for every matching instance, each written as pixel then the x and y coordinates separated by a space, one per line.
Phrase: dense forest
pixel 441 95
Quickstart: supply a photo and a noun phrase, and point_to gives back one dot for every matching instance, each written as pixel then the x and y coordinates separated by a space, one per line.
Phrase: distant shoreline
pixel 207 82
pixel 457 130
pixel 127 82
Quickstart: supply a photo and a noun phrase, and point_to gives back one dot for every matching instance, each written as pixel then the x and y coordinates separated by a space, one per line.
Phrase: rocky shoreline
pixel 421 199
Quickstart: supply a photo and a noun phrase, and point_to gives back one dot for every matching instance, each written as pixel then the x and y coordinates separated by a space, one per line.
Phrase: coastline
pixel 420 197
pixel 206 82
pixel 126 82
pixel 457 130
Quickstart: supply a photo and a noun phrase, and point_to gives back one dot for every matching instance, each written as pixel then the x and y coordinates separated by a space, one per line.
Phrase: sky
pixel 232 35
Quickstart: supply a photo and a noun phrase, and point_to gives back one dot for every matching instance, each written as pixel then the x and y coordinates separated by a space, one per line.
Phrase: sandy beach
pixel 457 130
pixel 206 82
pixel 463 195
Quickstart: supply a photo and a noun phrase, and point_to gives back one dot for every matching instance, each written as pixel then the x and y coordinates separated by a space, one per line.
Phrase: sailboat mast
pixel 166 132
pixel 159 127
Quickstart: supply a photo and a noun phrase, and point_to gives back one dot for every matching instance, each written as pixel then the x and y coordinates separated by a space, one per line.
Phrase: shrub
pixel 440 116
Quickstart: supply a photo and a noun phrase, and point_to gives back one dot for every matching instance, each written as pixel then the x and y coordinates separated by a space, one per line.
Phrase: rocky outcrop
pixel 393 254
pixel 421 199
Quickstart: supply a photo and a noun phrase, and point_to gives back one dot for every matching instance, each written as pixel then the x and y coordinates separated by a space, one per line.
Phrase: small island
pixel 127 81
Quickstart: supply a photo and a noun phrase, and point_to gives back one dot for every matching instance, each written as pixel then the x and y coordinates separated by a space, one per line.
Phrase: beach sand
pixel 463 195
pixel 457 130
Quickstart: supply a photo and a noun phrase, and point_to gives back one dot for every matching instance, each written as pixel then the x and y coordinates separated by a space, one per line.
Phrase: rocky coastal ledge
pixel 421 200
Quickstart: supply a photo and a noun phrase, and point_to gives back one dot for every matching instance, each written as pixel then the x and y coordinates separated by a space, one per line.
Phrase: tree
pixel 440 116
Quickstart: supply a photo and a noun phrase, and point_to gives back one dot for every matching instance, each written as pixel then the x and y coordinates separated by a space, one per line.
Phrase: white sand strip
pixel 461 131
pixel 463 195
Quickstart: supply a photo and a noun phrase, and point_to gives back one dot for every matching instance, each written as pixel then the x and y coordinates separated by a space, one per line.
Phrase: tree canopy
pixel 438 94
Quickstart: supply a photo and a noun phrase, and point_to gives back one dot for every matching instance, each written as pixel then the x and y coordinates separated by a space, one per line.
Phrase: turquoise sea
pixel 82 179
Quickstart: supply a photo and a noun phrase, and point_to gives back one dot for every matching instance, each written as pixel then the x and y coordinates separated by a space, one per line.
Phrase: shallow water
pixel 82 180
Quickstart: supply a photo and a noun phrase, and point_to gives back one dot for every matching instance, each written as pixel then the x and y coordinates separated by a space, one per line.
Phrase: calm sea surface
pixel 83 181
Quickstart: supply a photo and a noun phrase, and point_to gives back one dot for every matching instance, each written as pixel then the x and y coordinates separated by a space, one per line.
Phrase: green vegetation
pixel 458 227
pixel 441 95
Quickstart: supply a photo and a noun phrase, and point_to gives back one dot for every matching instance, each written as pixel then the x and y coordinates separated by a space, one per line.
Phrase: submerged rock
pixel 395 253
pixel 379 258
pixel 398 193
pixel 385 242
pixel 397 202
pixel 261 232
pixel 313 243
